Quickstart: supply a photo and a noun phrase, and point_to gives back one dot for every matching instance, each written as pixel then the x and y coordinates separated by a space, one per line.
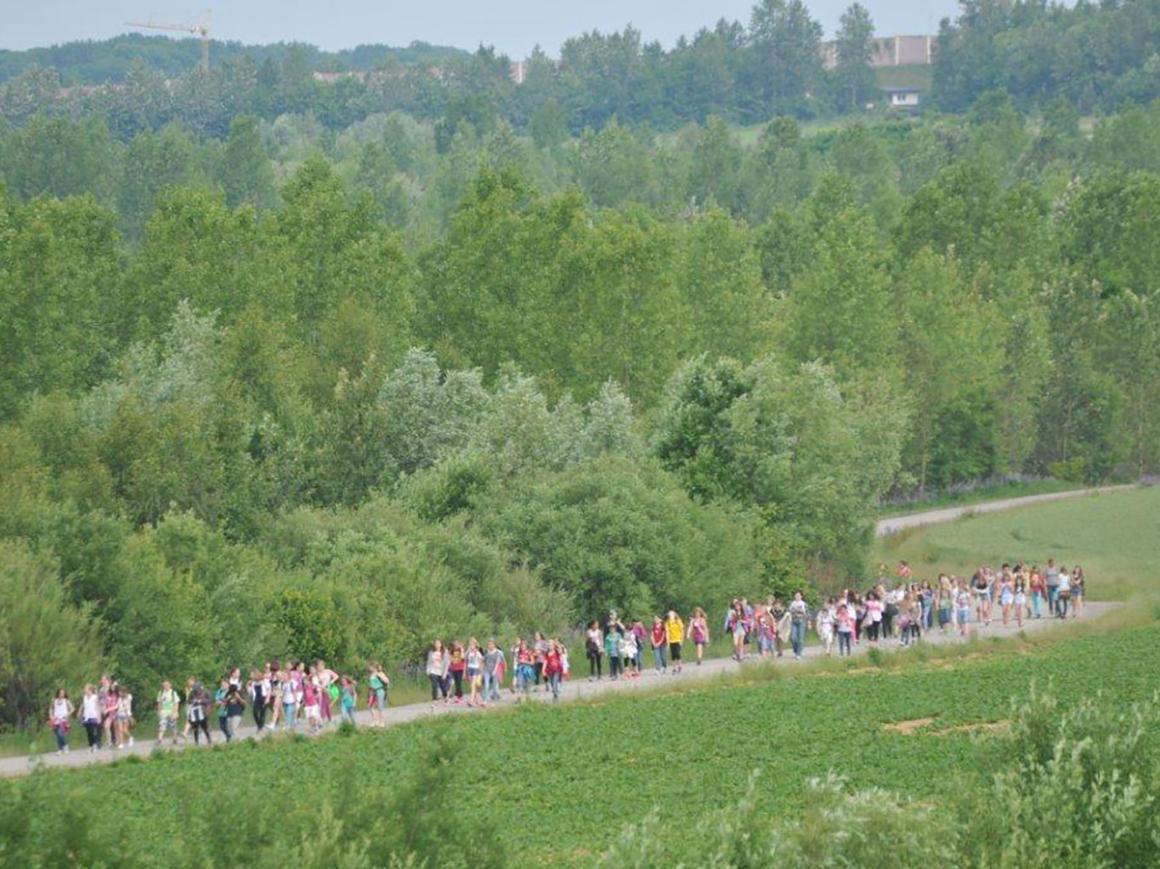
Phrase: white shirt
pixel 91 708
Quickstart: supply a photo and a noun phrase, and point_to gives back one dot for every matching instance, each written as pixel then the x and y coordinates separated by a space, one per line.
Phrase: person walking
pixel 436 668
pixel 168 704
pixel 474 672
pixel 493 667
pixel 699 632
pixel 1062 593
pixel 235 707
pixel 799 615
pixel 377 687
pixel 60 710
pixel 197 711
pixel 90 713
pixel 675 633
pixel 554 668
pixel 659 641
pixel 594 649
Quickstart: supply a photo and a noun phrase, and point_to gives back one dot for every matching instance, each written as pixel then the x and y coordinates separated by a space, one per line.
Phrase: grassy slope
pixel 916 76
pixel 1115 537
pixel 559 784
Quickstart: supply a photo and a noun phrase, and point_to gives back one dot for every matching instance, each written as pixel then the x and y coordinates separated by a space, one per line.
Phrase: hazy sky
pixel 513 26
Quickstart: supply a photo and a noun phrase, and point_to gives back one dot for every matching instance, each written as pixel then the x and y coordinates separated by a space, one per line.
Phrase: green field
pixel 557 785
pixel 1115 537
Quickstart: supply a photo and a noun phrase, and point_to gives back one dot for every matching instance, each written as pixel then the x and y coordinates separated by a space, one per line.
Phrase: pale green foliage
pixel 429 412
pixel 45 642
pixel 1074 787
pixel 837 830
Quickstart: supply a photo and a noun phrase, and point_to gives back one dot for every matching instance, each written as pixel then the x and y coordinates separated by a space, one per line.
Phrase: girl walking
pixel 90 713
pixel 659 641
pixel 474 672
pixel 60 710
pixel 436 668
pixel 675 632
pixel 699 632
pixel 594 647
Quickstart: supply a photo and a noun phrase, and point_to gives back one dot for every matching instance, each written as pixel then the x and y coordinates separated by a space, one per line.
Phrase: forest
pixel 287 384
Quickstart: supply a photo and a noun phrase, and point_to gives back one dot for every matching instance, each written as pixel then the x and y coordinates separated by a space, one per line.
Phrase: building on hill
pixel 905 99
pixel 890 51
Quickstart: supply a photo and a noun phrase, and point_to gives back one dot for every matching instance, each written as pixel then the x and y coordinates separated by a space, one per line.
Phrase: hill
pixel 104 61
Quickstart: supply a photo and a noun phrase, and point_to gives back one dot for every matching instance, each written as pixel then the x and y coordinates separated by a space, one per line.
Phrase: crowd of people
pixel 314 696
pixel 298 695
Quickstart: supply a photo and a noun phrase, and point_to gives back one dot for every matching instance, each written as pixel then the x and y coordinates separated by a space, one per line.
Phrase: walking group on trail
pixel 314 696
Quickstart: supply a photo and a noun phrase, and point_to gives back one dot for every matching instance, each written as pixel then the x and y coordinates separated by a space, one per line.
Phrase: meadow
pixel 1115 537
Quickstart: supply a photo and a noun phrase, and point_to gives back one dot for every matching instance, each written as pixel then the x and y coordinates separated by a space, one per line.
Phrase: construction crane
pixel 200 30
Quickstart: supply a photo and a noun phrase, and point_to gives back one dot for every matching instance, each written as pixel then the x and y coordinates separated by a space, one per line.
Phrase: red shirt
pixel 552 663
pixel 658 635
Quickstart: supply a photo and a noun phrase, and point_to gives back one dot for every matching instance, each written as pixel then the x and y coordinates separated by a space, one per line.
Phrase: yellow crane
pixel 200 30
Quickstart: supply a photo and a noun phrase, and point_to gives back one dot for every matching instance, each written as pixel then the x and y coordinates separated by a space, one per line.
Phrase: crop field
pixel 1115 537
pixel 585 771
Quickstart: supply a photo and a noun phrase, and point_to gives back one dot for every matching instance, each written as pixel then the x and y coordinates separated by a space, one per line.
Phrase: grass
pixel 993 492
pixel 1115 537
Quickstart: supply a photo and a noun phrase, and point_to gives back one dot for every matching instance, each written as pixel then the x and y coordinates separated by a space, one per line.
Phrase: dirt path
pixel 577 689
pixel 886 527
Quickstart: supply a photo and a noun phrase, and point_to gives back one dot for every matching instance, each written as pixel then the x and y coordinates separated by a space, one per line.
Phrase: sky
pixel 512 26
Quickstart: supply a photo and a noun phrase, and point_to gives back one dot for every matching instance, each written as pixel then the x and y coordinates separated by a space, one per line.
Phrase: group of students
pixel 624 645
pixel 1016 591
pixel 308 695
pixel 314 696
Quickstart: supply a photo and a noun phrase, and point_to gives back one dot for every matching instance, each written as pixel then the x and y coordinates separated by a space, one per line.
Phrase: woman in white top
pixel 91 716
pixel 124 724
pixel 1062 593
pixel 59 712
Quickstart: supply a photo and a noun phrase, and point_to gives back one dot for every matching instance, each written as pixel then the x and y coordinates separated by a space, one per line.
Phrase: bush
pixel 1074 787
pixel 867 829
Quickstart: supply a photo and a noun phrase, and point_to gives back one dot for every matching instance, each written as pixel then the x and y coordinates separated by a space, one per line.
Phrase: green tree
pixel 45 641
pixel 852 78
pixel 244 170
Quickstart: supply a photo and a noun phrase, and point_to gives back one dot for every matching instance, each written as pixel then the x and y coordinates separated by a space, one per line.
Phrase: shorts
pixel 1020 600
pixel 675 651
pixel 1007 599
pixel 313 710
pixel 944 617
pixel 964 614
pixel 474 678
pixel 168 724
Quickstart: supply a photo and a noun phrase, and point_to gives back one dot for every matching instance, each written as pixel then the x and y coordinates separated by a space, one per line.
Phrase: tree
pixel 45 642
pixel 244 170
pixel 785 62
pixel 853 79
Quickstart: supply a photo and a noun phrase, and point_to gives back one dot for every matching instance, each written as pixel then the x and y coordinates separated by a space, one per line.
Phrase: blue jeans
pixel 1037 605
pixel 554 684
pixel 659 658
pixel 490 687
pixel 797 637
pixel 844 642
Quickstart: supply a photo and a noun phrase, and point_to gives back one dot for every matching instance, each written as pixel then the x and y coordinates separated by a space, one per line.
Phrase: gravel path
pixel 578 689
pixel 886 527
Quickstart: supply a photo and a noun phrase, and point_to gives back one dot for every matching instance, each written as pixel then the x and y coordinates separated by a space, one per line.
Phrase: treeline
pixel 1096 57
pixel 109 61
pixel 650 373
